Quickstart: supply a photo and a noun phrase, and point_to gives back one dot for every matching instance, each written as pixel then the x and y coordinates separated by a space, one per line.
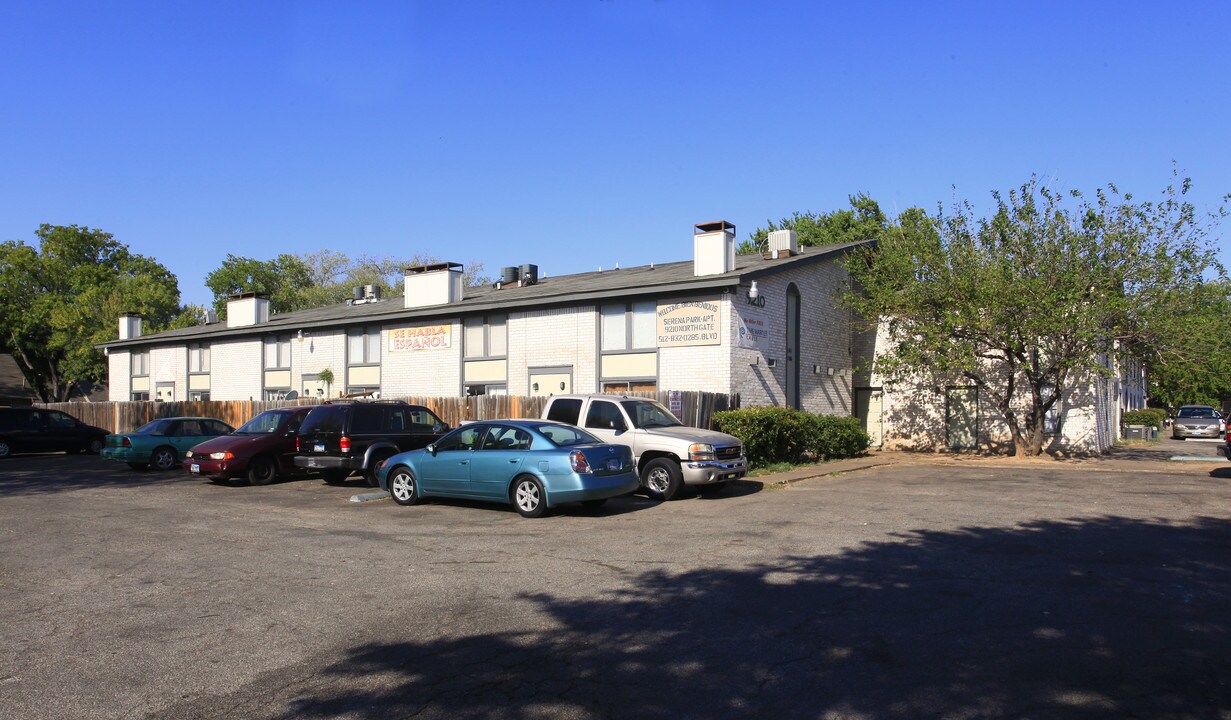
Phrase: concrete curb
pixel 1197 458
pixel 365 497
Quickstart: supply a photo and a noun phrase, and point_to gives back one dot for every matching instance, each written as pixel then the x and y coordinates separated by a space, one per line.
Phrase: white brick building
pixel 768 327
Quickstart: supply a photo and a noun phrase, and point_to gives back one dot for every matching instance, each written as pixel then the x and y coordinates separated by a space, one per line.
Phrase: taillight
pixel 126 443
pixel 296 443
pixel 344 444
pixel 578 461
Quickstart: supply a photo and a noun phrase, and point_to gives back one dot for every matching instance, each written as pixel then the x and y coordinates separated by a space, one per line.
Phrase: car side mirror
pixel 618 425
pixel 439 428
pixel 431 449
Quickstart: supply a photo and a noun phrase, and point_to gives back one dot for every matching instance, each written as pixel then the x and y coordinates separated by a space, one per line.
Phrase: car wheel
pixel 138 466
pixel 5 449
pixel 95 447
pixel 262 471
pixel 713 489
pixel 661 479
pixel 334 477
pixel 402 486
pixel 163 458
pixel 529 498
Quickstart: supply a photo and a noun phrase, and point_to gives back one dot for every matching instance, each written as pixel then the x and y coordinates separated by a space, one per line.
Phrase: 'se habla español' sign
pixel 424 337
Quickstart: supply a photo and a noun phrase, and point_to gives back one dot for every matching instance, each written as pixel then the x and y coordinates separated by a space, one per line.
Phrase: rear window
pixel 158 427
pixel 326 419
pixel 562 436
pixel 565 410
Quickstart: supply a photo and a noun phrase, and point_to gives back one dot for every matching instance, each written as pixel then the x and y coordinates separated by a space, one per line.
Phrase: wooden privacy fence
pixel 695 408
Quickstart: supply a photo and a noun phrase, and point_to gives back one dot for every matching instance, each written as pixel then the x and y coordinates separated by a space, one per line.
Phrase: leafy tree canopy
pixel 60 299
pixel 863 221
pixel 324 277
pixel 1028 301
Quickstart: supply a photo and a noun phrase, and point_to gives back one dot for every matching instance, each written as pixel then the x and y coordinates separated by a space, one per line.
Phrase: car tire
pixel 528 497
pixel 403 486
pixel 335 477
pixel 163 458
pixel 94 447
pixel 369 475
pixel 5 448
pixel 713 489
pixel 262 471
pixel 661 479
pixel 138 466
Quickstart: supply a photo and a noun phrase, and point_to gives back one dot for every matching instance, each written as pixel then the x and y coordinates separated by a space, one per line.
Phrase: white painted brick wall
pixel 555 337
pixel 320 350
pixel 119 376
pixel 169 364
pixel 435 372
pixel 235 369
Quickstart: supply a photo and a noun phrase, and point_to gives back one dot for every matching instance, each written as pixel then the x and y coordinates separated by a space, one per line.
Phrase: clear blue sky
pixel 576 134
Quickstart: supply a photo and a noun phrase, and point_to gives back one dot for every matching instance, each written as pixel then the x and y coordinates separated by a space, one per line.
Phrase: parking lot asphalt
pixel 895 587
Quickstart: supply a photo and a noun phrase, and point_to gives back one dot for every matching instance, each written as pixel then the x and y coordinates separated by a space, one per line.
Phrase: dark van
pixel 35 430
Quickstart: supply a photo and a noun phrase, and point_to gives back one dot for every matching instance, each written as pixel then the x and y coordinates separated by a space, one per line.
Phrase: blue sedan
pixel 532 464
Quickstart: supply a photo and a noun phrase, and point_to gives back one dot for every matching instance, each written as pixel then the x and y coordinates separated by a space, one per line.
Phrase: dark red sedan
pixel 261 451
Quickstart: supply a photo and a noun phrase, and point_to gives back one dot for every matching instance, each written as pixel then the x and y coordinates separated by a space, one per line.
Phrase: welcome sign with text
pixel 697 322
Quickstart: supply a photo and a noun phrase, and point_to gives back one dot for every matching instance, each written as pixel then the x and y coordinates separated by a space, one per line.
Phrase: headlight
pixel 220 456
pixel 188 454
pixel 700 451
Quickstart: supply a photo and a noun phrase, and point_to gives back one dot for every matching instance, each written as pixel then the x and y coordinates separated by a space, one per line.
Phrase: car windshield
pixel 565 435
pixel 1198 412
pixel 649 414
pixel 158 427
pixel 262 424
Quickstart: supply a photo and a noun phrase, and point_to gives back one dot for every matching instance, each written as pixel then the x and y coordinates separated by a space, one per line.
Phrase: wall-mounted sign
pixel 752 329
pixel 425 337
pixel 696 322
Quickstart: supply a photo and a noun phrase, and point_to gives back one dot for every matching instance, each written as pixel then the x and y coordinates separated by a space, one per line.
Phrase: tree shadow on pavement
pixel 1089 618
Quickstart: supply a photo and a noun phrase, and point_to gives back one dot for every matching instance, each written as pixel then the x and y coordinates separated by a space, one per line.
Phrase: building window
pixel 486 336
pixel 363 346
pixel 141 364
pixel 278 353
pixel 198 395
pixel 198 359
pixel 486 389
pixel 629 326
pixel 142 396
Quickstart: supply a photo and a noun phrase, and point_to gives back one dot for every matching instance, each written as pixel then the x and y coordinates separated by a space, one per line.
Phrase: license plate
pixel 319 447
pixel 195 469
pixel 614 464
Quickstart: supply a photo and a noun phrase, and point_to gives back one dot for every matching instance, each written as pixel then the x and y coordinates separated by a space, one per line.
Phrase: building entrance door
pixel 792 347
pixel 869 408
pixel 963 417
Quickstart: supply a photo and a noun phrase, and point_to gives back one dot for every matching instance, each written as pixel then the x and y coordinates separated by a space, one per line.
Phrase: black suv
pixel 37 430
pixel 339 438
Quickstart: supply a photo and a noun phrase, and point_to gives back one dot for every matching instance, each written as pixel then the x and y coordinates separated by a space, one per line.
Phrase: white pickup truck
pixel 669 455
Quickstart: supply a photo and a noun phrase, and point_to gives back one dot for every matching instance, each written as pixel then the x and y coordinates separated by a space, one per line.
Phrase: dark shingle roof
pixel 12 383
pixel 670 278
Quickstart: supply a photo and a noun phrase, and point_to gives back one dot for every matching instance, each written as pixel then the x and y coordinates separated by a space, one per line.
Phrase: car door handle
pixel 514 460
pixel 462 462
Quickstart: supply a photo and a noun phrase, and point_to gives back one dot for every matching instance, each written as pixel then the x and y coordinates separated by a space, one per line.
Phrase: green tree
pixel 59 300
pixel 1191 365
pixel 284 280
pixel 863 221
pixel 1033 298
pixel 316 279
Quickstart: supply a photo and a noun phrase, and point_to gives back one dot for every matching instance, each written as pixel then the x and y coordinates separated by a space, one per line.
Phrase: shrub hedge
pixel 776 434
pixel 1149 416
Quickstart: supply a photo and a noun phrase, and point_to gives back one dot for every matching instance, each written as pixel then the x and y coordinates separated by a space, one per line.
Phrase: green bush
pixel 776 434
pixel 1149 416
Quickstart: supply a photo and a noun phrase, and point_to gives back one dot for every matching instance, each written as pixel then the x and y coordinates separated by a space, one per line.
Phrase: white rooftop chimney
pixel 247 309
pixel 436 284
pixel 130 326
pixel 713 245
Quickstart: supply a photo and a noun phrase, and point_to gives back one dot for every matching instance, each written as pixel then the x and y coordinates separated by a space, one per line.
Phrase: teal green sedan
pixel 163 442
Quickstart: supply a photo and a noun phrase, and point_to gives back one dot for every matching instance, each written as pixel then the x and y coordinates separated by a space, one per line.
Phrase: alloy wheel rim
pixel 527 496
pixel 163 459
pixel 658 480
pixel 402 486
